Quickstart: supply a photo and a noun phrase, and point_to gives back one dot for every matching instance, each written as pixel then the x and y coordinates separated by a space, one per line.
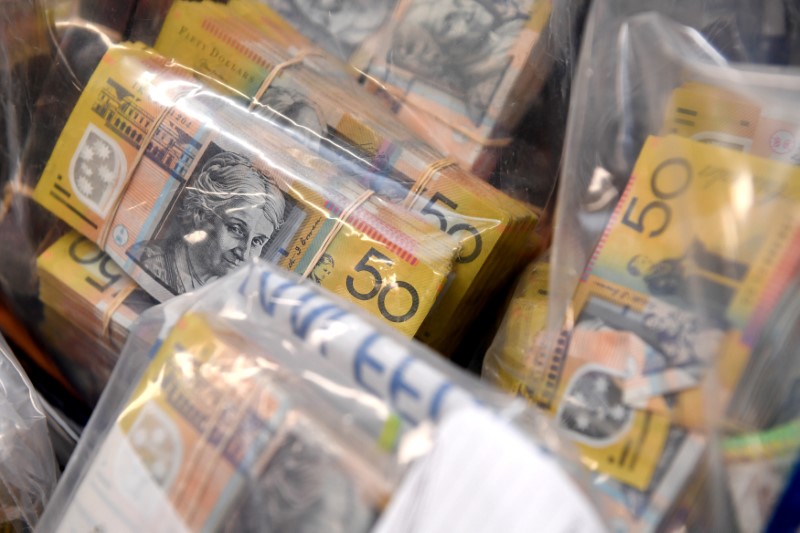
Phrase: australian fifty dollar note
pixel 180 185
pixel 314 97
pixel 680 286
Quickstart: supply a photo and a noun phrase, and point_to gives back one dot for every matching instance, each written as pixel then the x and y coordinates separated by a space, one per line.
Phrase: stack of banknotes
pixel 317 100
pixel 683 321
pixel 89 306
pixel 158 164
pixel 459 73
pixel 180 186
pixel 261 403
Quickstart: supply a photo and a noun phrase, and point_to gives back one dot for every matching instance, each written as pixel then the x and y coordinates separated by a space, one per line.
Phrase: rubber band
pixel 112 308
pixel 275 72
pixel 10 191
pixel 106 232
pixel 340 223
pixel 423 181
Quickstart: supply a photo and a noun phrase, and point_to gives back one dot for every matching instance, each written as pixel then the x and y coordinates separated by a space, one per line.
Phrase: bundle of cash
pixel 180 185
pixel 459 74
pixel 245 44
pixel 89 306
pixel 234 443
pixel 509 360
pixel 669 313
pixel 79 281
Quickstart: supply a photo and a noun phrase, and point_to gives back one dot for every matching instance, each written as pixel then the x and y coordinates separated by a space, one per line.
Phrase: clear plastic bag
pixel 28 468
pixel 355 201
pixel 461 75
pixel 261 402
pixel 673 295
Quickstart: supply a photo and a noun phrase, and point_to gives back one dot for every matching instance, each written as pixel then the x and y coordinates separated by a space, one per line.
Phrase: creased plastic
pixel 115 196
pixel 28 471
pixel 672 305
pixel 260 402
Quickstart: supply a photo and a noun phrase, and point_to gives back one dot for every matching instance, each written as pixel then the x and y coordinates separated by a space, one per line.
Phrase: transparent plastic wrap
pixel 139 151
pixel 260 403
pixel 24 62
pixel 27 465
pixel 33 36
pixel 460 74
pixel 668 353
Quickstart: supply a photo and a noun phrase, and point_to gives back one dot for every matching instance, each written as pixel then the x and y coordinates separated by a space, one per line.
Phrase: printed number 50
pixel 429 209
pixel 679 186
pixel 380 288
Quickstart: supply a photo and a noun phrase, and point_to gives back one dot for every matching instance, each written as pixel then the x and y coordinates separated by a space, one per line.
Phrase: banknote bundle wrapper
pixel 28 467
pixel 668 354
pixel 361 137
pixel 359 145
pixel 460 74
pixel 257 404
pixel 180 185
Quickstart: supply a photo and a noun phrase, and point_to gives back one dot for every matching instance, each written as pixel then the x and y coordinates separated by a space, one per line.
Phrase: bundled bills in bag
pixel 459 74
pixel 179 185
pixel 315 99
pixel 90 305
pixel 261 404
pixel 681 213
pixel 78 280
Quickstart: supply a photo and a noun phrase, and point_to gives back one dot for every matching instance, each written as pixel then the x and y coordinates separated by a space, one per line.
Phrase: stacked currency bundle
pixel 223 414
pixel 235 443
pixel 674 316
pixel 460 74
pixel 89 306
pixel 180 185
pixel 252 50
pixel 78 281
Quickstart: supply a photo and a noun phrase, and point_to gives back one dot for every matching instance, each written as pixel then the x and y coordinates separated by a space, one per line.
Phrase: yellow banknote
pixel 81 282
pixel 146 168
pixel 202 450
pixel 767 127
pixel 244 44
pixel 713 115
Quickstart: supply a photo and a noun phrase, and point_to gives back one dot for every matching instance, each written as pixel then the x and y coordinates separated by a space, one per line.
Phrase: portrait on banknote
pixel 227 214
pixel 459 46
pixel 323 269
pixel 339 26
